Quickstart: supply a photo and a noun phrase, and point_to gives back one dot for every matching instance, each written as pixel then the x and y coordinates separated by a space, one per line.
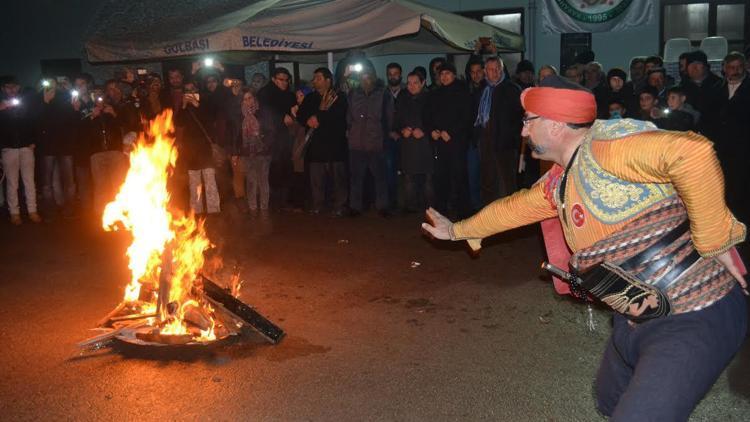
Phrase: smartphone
pixel 142 72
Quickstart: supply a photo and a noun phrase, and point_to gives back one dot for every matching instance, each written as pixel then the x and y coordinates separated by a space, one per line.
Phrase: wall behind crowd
pixel 48 29
pixel 613 49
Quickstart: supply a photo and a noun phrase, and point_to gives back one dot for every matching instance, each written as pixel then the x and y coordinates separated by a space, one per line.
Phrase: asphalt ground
pixel 370 335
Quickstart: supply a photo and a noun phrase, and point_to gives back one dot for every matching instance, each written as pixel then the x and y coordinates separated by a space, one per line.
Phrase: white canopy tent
pixel 302 30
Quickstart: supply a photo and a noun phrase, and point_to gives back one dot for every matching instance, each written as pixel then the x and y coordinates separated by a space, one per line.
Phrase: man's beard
pixel 394 82
pixel 538 149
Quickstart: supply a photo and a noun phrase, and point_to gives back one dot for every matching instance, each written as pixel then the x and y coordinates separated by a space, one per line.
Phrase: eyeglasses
pixel 526 120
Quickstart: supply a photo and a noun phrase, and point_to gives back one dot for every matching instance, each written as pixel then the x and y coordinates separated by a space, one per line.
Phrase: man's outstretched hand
pixel 437 225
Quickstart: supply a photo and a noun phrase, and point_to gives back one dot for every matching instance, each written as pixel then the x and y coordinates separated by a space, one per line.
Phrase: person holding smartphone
pixel 53 126
pixel 195 155
pixel 17 144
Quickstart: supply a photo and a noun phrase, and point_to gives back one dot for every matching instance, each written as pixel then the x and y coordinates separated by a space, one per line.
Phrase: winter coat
pixel 449 109
pixel 275 104
pixel 733 144
pixel 506 116
pixel 54 125
pixel 328 142
pixel 417 155
pixel 193 147
pixel 17 125
pixel 366 119
pixel 676 120
pixel 707 99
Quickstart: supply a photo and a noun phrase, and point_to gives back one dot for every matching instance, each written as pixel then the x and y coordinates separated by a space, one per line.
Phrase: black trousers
pixel 452 182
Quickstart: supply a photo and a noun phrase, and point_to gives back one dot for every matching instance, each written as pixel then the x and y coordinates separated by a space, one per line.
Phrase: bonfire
pixel 168 300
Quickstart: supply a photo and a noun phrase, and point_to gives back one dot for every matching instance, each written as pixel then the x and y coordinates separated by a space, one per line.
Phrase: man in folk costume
pixel 643 212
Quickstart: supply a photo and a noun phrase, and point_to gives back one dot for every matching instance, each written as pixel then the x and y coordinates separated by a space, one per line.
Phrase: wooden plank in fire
pixel 266 328
pixel 103 339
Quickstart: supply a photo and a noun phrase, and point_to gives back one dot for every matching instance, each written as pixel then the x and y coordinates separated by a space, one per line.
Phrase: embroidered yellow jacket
pixel 622 168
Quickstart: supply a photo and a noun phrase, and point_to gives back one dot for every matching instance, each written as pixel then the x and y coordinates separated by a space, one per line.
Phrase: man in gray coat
pixel 366 124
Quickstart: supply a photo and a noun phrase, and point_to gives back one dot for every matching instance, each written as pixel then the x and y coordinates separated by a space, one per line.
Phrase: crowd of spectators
pixel 347 142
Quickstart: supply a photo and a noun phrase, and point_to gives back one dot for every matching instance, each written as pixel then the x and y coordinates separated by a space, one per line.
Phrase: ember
pixel 168 301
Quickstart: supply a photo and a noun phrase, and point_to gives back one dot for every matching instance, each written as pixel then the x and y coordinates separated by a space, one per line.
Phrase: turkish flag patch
pixel 578 215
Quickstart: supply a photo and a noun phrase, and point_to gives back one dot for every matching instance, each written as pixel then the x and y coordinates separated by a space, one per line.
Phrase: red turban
pixel 560 104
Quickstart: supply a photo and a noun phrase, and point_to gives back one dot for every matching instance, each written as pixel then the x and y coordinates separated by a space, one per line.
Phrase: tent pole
pixel 330 61
pixel 531 38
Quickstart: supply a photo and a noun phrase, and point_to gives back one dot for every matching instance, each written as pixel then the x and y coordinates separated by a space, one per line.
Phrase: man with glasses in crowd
pixel 277 99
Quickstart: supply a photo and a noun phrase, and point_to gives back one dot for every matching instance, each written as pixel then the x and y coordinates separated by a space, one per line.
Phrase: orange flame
pixel 141 207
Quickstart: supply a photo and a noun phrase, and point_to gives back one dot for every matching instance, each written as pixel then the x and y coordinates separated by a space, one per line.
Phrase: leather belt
pixel 649 253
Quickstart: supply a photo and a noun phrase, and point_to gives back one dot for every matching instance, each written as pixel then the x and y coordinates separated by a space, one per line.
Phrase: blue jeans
pixel 359 163
pixel 659 370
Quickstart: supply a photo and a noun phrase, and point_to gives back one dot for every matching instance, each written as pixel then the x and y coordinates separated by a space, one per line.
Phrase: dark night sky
pixel 42 29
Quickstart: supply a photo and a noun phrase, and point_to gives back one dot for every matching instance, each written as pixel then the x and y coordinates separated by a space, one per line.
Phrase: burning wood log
pixel 197 316
pixel 164 281
pixel 131 317
pixel 107 319
pixel 230 321
pixel 266 328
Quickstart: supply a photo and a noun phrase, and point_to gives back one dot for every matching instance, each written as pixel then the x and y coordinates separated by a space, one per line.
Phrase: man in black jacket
pixel 733 144
pixel 277 99
pixel 86 135
pixel 323 112
pixel 499 115
pixel 476 82
pixel 704 90
pixel 55 121
pixel 17 143
pixel 110 119
pixel 448 122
